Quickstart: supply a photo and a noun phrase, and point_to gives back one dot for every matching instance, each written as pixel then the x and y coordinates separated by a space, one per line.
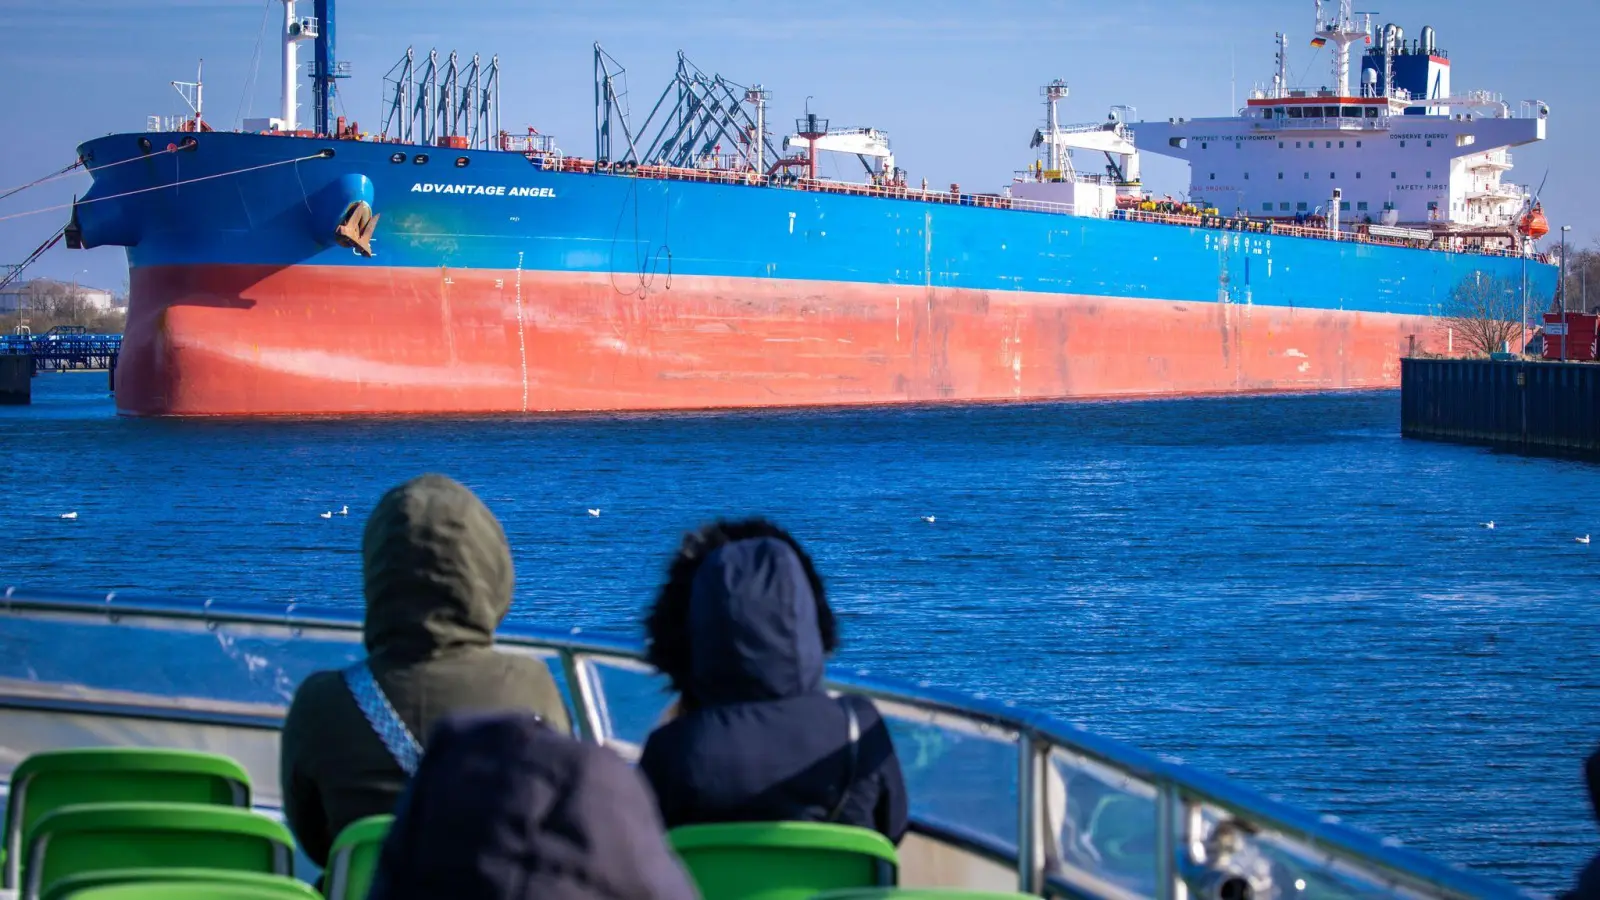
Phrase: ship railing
pixel 1326 123
pixel 749 177
pixel 997 791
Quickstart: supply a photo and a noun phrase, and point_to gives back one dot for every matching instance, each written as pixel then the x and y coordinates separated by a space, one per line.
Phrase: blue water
pixel 1278 589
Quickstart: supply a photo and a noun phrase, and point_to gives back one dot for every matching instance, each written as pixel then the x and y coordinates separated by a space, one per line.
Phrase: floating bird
pixel 1582 540
pixel 594 512
pixel 927 518
pixel 1488 524
pixel 345 511
pixel 70 515
pixel 327 515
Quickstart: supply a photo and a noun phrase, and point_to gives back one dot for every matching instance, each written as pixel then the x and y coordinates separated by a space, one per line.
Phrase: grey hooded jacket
pixel 437 575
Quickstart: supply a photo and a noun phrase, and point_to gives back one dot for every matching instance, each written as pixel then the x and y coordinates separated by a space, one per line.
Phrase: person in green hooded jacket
pixel 437 576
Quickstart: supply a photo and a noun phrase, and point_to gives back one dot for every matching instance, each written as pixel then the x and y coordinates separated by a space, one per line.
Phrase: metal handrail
pixel 1180 788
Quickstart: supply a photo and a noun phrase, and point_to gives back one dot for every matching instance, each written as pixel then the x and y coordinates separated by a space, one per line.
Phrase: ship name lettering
pixel 482 190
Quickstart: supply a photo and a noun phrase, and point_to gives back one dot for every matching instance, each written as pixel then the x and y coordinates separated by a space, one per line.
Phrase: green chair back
pixel 782 860
pixel 47 781
pixel 917 894
pixel 353 859
pixel 95 836
pixel 189 890
pixel 220 879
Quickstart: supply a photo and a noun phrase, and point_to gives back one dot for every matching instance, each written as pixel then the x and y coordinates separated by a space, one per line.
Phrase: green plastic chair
pixel 353 860
pixel 917 894
pixel 188 890
pixel 76 885
pixel 95 836
pixel 782 860
pixel 47 781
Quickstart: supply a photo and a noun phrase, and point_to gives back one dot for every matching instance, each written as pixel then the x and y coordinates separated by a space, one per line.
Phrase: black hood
pixel 437 570
pixel 502 807
pixel 753 625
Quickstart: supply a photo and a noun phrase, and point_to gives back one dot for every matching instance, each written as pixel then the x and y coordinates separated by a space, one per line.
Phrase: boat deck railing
pixel 1072 813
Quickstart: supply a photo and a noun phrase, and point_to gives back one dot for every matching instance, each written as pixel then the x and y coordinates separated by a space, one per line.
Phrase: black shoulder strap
pixel 850 769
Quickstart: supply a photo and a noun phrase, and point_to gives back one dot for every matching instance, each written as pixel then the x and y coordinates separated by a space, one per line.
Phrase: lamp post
pixel 1564 230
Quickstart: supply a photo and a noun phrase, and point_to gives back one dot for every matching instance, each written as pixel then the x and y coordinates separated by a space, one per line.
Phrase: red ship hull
pixel 253 340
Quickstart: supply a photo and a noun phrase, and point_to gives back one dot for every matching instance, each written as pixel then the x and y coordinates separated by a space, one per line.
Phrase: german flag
pixel 1318 42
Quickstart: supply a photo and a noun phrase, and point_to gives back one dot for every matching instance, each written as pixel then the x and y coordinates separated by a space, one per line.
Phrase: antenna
pixel 1281 80
pixel 1342 29
pixel 193 93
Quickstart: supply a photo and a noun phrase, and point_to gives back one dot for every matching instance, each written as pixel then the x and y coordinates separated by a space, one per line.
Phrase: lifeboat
pixel 1533 223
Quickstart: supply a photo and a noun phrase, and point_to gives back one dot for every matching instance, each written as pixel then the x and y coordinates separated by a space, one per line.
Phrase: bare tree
pixel 1484 313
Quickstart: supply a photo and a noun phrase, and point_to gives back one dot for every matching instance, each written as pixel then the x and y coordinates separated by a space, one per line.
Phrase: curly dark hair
pixel 666 624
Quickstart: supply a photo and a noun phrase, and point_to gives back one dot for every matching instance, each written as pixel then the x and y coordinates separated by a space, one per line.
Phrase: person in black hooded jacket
pixel 743 630
pixel 1588 885
pixel 503 808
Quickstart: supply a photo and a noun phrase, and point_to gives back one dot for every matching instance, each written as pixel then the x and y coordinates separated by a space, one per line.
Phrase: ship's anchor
pixel 356 228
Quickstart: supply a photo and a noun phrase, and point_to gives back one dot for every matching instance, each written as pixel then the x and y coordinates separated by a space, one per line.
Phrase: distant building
pixel 31 294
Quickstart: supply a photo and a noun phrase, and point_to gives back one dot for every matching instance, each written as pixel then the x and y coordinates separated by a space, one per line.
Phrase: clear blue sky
pixel 954 83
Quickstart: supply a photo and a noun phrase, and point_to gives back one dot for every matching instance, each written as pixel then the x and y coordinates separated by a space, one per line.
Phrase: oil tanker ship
pixel 445 265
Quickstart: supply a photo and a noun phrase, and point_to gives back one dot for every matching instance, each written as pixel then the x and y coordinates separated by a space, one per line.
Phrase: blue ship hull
pixel 496 283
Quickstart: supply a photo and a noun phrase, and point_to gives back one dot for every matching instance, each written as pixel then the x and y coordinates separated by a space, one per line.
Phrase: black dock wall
pixel 1533 407
pixel 16 379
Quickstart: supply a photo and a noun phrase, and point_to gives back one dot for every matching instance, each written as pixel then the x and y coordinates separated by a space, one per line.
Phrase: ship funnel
pixel 1427 39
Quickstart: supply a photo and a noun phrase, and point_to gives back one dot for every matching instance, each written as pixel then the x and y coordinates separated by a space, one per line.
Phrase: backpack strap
pixel 385 722
pixel 845 701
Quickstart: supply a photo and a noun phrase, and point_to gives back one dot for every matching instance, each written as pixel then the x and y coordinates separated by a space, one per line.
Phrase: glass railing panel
pixel 1103 824
pixel 961 774
pixel 632 699
pixel 1229 855
pixel 164 661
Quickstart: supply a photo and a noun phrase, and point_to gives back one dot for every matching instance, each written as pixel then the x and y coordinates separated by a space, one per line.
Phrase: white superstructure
pixel 1402 149
pixel 1389 138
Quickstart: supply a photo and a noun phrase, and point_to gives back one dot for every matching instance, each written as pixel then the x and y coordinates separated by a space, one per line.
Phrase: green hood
pixel 436 570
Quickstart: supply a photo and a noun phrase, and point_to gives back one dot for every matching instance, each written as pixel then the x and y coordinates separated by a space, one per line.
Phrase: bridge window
pixel 1361 205
pixel 1344 205
pixel 1283 207
pixel 1372 112
pixel 1301 206
pixel 1266 207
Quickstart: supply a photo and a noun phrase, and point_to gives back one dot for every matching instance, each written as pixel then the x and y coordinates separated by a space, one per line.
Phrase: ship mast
pixel 1053 92
pixel 1280 81
pixel 295 30
pixel 1342 29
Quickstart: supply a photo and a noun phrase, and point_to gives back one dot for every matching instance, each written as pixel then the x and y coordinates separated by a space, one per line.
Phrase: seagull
pixel 70 515
pixel 594 512
pixel 327 515
pixel 927 519
pixel 1582 540
pixel 1488 524
pixel 345 511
